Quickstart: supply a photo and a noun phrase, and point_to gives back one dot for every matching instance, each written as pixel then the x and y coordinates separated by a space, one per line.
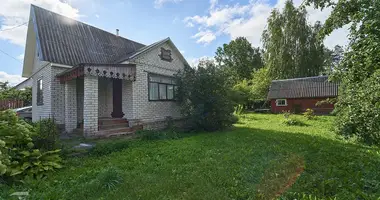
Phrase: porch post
pixel 70 105
pixel 90 105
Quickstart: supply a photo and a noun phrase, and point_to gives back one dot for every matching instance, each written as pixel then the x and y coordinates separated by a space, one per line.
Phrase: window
pixel 161 88
pixel 40 98
pixel 281 102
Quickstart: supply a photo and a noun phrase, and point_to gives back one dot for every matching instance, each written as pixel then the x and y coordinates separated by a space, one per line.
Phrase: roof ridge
pixel 33 5
pixel 292 79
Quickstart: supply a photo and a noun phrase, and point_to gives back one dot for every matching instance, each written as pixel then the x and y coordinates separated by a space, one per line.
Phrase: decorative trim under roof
pixel 116 71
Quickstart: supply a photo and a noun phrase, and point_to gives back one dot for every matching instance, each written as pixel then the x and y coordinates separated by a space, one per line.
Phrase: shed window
pixel 161 88
pixel 281 102
pixel 40 97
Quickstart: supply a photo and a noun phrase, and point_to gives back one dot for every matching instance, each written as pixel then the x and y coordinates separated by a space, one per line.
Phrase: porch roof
pixel 117 71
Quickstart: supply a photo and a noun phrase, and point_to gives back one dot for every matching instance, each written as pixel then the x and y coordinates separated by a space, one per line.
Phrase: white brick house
pixel 83 76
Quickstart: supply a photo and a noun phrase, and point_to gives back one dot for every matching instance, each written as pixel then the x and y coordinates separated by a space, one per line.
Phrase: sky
pixel 197 27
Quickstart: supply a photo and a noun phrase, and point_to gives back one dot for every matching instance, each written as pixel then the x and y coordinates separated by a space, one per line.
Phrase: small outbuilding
pixel 298 94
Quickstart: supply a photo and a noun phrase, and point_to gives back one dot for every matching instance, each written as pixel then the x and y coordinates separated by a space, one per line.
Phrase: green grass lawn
pixel 259 158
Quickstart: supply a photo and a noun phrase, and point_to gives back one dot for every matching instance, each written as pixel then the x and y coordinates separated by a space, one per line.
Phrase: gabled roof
pixel 150 47
pixel 66 41
pixel 308 87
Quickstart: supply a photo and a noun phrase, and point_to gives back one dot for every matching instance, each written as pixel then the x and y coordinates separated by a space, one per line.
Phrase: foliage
pixel 19 157
pixel 239 109
pixel 359 69
pixel 109 178
pixel 230 164
pixel 293 121
pixel 7 92
pixel 309 114
pixel 333 58
pixel 327 101
pixel 242 92
pixel 205 97
pixel 47 136
pixel 239 58
pixel 102 149
pixel 291 45
pixel 260 84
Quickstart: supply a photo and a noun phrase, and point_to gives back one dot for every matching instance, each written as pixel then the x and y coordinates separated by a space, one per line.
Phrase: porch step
pixel 118 131
pixel 109 121
pixel 113 126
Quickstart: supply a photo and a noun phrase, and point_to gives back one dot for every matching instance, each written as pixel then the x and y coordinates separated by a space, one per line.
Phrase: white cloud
pixel 14 13
pixel 97 16
pixel 250 20
pixel 12 79
pixel 204 37
pixel 160 3
pixel 21 57
pixel 193 62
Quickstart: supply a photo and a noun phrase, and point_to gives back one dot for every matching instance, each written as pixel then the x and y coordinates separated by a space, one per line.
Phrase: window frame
pixel 40 92
pixel 281 105
pixel 158 85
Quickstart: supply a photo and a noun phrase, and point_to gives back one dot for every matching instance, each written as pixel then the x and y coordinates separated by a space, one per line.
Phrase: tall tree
pixel 239 58
pixel 358 104
pixel 292 48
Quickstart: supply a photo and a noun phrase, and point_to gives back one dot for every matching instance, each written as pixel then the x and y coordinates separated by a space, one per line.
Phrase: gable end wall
pixel 143 109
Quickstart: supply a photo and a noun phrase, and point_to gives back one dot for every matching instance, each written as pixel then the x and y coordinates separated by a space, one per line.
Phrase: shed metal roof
pixel 308 87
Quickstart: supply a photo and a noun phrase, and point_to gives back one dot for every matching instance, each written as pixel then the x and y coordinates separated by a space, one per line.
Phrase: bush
pixel 106 148
pixel 292 121
pixel 47 135
pixel 205 97
pixel 18 155
pixel 358 110
pixel 309 114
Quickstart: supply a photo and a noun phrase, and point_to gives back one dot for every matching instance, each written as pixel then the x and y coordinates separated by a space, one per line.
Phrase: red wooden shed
pixel 296 95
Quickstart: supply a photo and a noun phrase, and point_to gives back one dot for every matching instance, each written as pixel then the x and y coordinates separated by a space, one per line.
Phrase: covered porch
pixel 98 97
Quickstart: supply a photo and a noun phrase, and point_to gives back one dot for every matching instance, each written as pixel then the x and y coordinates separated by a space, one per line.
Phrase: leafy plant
pixel 358 73
pixel 18 155
pixel 292 121
pixel 47 134
pixel 205 97
pixel 309 114
pixel 109 178
pixel 239 109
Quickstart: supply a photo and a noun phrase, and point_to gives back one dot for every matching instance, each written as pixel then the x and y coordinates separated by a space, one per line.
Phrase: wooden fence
pixel 11 104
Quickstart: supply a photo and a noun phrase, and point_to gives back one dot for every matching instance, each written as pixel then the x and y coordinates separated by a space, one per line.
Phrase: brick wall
pixel 70 105
pixel 105 97
pixel 90 105
pixel 127 93
pixel 42 111
pixel 150 62
pixel 57 90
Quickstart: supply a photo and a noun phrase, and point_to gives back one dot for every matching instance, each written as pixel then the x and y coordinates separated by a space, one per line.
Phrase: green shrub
pixel 18 155
pixel 358 110
pixel 47 135
pixel 205 97
pixel 292 121
pixel 238 110
pixel 109 178
pixel 309 114
pixel 106 148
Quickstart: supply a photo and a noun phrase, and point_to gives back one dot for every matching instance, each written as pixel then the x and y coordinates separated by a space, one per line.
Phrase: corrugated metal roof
pixel 66 41
pixel 317 86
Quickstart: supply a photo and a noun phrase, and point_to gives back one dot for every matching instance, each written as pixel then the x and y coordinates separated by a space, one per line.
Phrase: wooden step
pixel 118 131
pixel 109 121
pixel 112 126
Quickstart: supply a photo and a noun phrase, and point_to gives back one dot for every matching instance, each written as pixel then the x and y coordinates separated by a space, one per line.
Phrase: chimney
pixel 117 32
